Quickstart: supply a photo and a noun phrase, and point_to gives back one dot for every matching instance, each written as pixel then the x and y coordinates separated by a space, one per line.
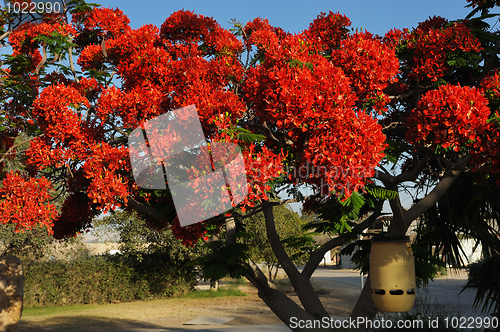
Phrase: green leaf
pixel 394 150
pixel 356 201
pixel 381 192
pixel 249 137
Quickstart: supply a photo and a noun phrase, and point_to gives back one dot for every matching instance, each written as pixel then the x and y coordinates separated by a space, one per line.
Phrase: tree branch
pixel 282 306
pixel 301 285
pixel 71 64
pixel 264 205
pixel 390 180
pixel 103 46
pixel 4 155
pixel 6 34
pixel 435 195
pixel 42 62
pixel 119 130
pixel 118 141
pixel 145 210
pixel 276 244
pixel 319 253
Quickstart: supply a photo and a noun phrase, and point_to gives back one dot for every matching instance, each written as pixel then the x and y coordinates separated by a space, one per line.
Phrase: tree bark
pixel 214 285
pixel 301 284
pixel 11 293
pixel 364 306
pixel 230 230
pixel 282 306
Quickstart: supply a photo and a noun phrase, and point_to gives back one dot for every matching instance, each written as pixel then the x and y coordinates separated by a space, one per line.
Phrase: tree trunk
pixel 214 285
pixel 301 283
pixel 282 306
pixel 11 293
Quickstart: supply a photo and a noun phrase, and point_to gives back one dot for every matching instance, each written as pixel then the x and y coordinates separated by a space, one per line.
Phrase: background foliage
pixel 104 279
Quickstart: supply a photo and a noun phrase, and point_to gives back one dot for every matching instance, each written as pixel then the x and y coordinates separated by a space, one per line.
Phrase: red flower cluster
pixel 89 88
pixel 396 37
pixel 432 23
pixel 431 43
pixel 108 189
pixel 327 32
pixel 104 22
pixel 261 167
pixel 121 49
pixel 189 235
pixel 370 65
pixel 70 139
pixel 311 90
pixel 57 109
pixel 157 79
pixel 75 216
pixel 26 202
pixel 486 150
pixel 187 34
pixel 22 39
pixel 309 98
pixel 450 116
pixel 132 107
pixel 491 86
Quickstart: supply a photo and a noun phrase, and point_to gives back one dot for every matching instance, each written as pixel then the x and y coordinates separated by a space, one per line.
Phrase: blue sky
pixel 294 16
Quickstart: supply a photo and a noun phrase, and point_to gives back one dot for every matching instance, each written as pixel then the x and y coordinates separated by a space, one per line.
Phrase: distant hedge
pixel 104 279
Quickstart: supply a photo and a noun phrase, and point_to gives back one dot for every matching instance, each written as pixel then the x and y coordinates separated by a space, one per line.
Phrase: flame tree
pixel 353 115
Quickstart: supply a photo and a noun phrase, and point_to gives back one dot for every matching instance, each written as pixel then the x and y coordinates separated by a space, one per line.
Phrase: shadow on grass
pixel 92 323
pixel 82 323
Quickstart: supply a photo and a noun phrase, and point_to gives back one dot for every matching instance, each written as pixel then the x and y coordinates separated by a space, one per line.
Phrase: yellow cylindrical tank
pixel 392 274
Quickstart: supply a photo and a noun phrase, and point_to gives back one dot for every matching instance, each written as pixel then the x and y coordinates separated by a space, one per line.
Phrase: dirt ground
pixel 173 313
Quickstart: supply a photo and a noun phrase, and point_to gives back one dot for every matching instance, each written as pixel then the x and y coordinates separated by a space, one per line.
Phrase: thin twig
pixel 4 155
pixel 103 46
pixel 6 34
pixel 42 62
pixel 71 65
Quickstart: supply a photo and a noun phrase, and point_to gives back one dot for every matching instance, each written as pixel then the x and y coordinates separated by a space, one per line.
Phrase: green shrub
pixel 104 279
pixel 153 264
pixel 473 271
pixel 162 275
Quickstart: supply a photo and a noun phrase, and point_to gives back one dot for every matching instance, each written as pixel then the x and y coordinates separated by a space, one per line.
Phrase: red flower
pixel 448 116
pixel 26 202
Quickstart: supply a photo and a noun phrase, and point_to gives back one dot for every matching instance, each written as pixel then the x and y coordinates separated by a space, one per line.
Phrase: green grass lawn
pixel 223 291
